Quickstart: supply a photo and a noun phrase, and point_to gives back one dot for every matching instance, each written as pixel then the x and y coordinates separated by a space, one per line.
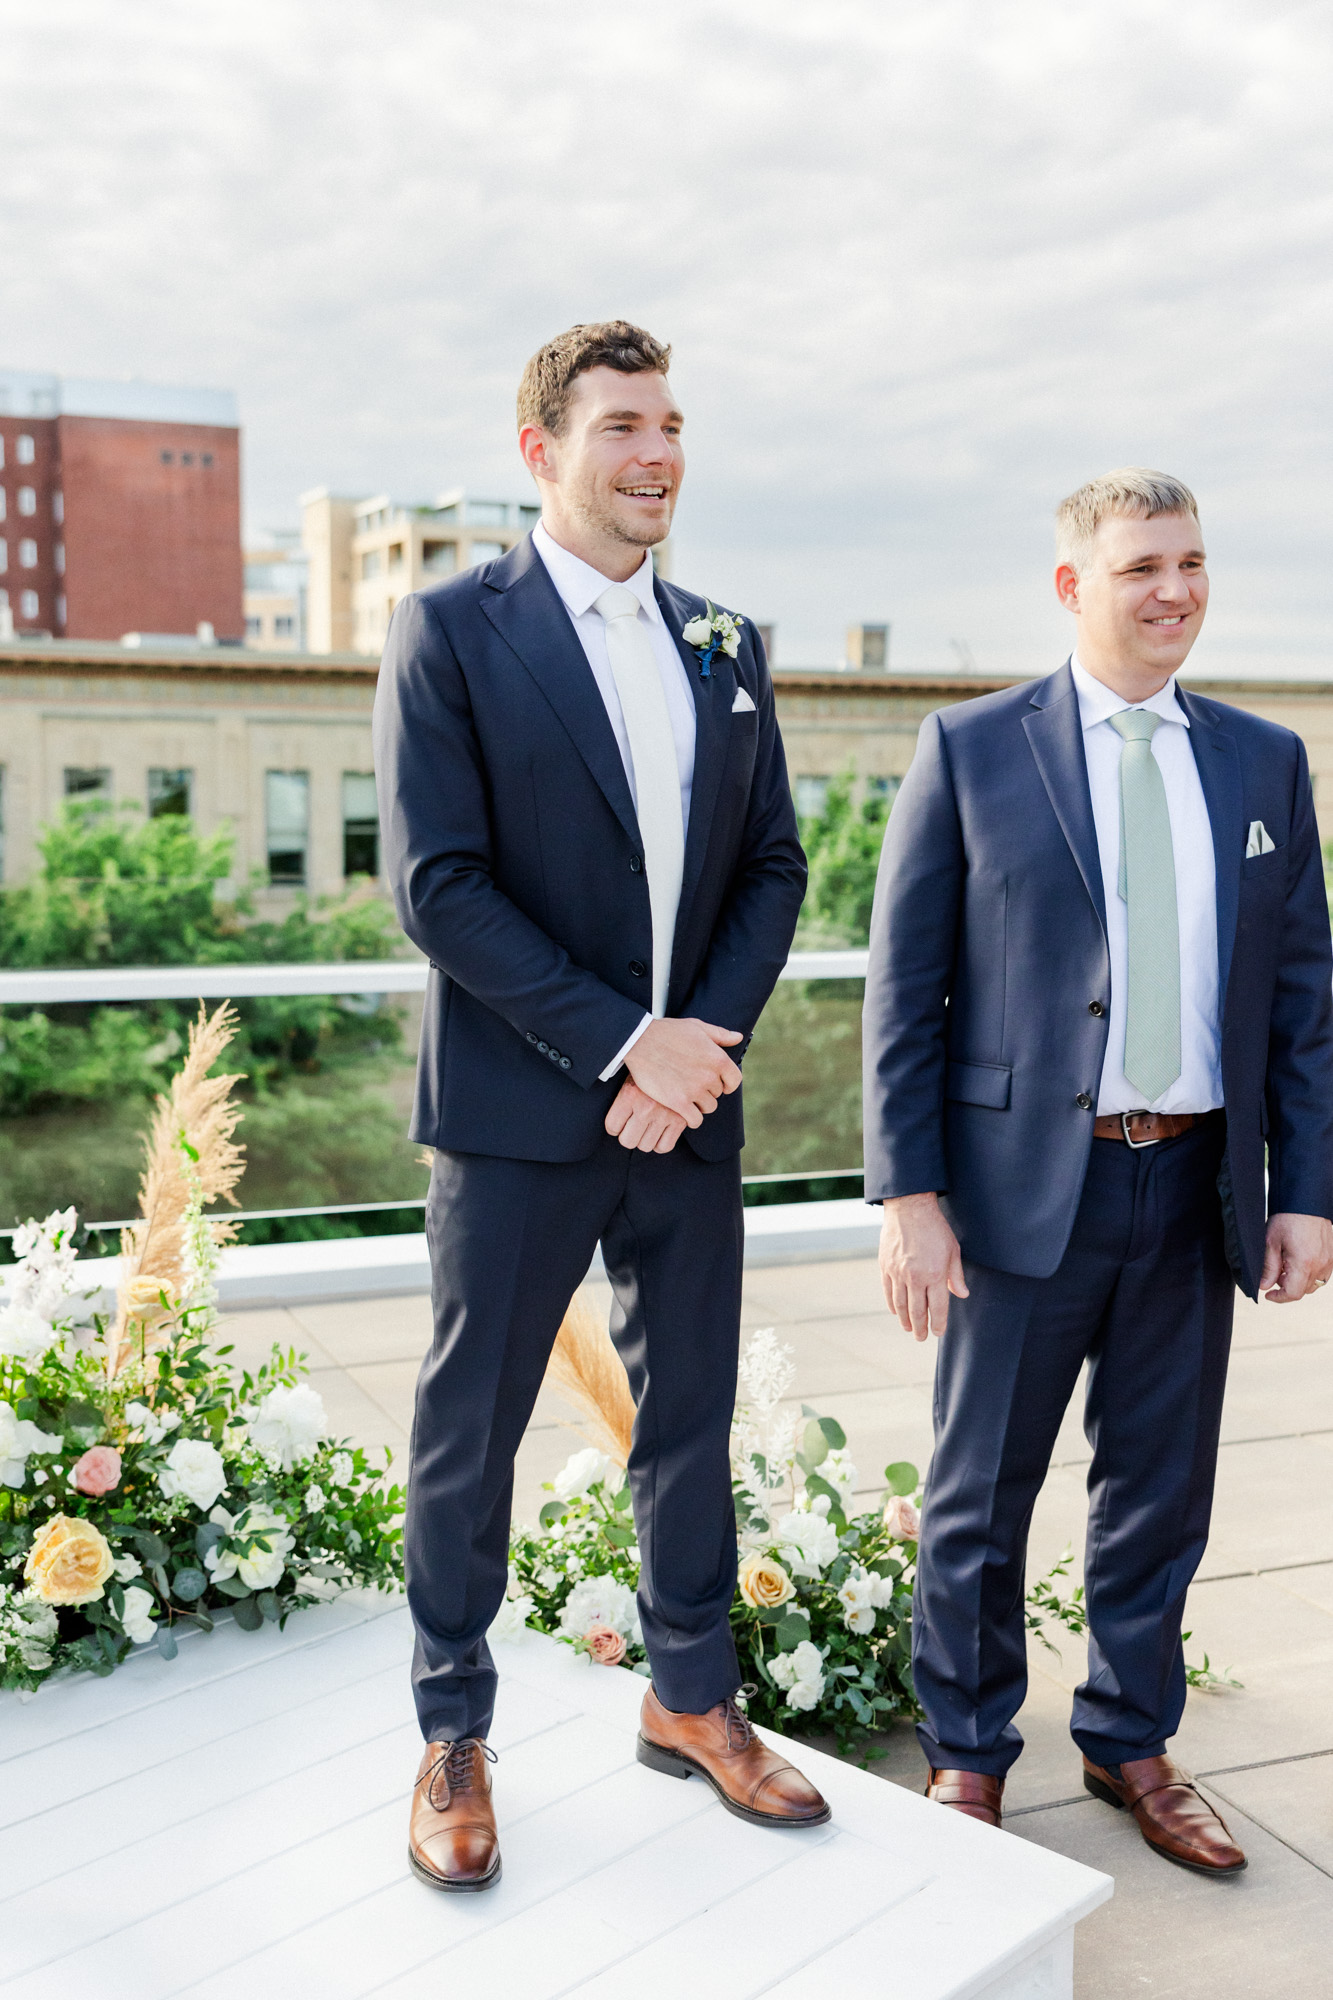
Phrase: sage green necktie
pixel 1148 886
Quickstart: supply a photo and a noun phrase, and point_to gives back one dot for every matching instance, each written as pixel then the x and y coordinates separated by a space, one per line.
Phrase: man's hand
pixel 684 1066
pixel 1298 1257
pixel 920 1263
pixel 641 1123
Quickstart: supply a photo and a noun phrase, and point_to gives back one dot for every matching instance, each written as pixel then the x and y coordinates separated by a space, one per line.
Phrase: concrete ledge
pixel 371 1267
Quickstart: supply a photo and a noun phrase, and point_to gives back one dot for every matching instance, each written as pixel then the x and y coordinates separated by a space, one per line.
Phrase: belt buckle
pixel 1136 1145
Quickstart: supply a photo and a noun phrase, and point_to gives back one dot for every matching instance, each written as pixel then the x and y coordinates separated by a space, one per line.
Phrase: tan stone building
pixel 278 743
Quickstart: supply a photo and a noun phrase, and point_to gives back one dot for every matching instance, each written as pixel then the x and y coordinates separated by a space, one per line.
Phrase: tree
pixel 842 845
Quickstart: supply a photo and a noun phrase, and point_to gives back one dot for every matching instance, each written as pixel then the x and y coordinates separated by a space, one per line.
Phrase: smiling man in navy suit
pixel 1099 994
pixel 589 832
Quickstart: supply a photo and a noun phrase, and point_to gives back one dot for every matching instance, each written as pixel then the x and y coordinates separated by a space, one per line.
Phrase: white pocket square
pixel 1258 842
pixel 744 706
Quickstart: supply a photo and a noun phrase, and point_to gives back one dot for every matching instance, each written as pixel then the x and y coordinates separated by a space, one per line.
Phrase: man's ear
pixel 536 445
pixel 1066 587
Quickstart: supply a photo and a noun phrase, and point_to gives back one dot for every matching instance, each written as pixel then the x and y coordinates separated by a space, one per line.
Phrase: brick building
pixel 119 508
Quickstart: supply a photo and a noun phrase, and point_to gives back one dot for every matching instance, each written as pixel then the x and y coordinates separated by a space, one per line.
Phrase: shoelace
pixel 736 1722
pixel 454 1765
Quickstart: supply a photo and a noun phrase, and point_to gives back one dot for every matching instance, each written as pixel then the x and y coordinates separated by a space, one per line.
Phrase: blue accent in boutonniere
pixel 715 632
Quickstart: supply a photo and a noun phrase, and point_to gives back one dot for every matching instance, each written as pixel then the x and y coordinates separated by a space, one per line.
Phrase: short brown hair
pixel 1133 490
pixel 544 392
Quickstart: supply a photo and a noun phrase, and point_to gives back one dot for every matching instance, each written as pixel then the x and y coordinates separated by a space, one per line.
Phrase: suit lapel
pixel 1218 762
pixel 712 722
pixel 1055 732
pixel 526 610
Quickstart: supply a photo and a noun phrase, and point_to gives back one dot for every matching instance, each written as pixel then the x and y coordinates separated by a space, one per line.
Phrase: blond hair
pixel 1134 490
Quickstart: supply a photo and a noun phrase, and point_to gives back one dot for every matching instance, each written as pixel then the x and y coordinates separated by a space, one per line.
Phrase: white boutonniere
pixel 715 632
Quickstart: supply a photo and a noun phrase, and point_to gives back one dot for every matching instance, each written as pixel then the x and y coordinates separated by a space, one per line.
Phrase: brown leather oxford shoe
pixel 452 1842
pixel 975 1794
pixel 1172 1817
pixel 720 1747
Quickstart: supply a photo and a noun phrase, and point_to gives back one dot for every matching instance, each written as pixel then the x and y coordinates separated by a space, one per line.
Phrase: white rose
pixel 262 1568
pixel 800 1674
pixel 314 1499
pixel 126 1567
pixel 584 1469
pixel 18 1440
pixel 195 1469
pixel 342 1467
pixel 698 632
pixel 857 1598
pixel 511 1620
pixel 881 1591
pixel 599 1600
pixel 838 1472
pixel 731 645
pixel 288 1425
pixel 809 1542
pixel 24 1334
pixel 137 1617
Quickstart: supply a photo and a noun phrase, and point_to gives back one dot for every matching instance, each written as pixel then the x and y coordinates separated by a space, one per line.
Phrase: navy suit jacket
pixel 988 955
pixel 514 855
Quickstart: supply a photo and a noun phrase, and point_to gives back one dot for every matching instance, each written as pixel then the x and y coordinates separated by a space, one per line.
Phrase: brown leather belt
pixel 1145 1128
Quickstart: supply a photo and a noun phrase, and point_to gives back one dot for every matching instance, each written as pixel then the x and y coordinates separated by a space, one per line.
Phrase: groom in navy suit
pixel 589 832
pixel 1098 1003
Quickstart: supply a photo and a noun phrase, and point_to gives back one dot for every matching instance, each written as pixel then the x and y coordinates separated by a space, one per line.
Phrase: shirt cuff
pixel 617 1060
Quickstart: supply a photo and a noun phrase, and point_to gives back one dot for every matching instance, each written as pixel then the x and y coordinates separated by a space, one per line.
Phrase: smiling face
pixel 1140 600
pixel 609 478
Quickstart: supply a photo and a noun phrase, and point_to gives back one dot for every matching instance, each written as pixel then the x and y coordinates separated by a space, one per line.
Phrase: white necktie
pixel 652 748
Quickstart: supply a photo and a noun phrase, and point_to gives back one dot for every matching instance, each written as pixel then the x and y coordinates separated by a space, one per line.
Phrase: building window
pixel 57 507
pixel 487 551
pixel 25 451
pixel 205 458
pixel 361 827
pixel 27 554
pixel 168 458
pixel 60 558
pixel 370 564
pixel 529 516
pixel 487 513
pixel 187 458
pixel 83 781
pixel 27 500
pixel 396 556
pixel 283 627
pixel 61 610
pixel 28 604
pixel 254 628
pixel 811 796
pixel 4 555
pixel 169 792
pixel 287 816
pixel 439 558
pixel 883 788
pixel 2 503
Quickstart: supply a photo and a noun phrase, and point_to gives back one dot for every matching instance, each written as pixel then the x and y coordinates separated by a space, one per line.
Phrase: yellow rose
pixel 143 1300
pixel 764 1583
pixel 69 1562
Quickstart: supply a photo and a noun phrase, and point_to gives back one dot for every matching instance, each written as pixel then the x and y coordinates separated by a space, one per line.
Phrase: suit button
pixel 565 1063
pixel 533 1040
pixel 543 1048
pixel 638 970
pixel 1096 1007
pixel 1083 1101
pixel 635 864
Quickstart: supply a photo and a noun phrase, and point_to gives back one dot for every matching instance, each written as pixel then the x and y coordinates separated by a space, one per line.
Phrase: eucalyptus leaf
pixel 793 1629
pixel 232 1586
pixel 269 1606
pixel 619 1534
pixel 551 1513
pixel 814 1443
pixel 207 1536
pixel 834 1432
pixel 187 1584
pixel 165 1640
pixel 902 1477
pixel 247 1614
pixel 149 1545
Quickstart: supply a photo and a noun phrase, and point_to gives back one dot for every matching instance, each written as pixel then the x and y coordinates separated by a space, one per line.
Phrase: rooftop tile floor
pixel 1262 1607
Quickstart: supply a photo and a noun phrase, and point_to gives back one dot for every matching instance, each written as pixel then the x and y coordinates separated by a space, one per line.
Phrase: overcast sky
pixel 926 268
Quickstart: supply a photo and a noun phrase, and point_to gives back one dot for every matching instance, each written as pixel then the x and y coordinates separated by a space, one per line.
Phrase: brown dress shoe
pixel 976 1794
pixel 1172 1817
pixel 751 1780
pixel 452 1842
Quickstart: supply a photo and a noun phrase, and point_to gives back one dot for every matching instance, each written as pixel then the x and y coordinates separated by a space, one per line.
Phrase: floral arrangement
pixel 713 632
pixel 823 1609
pixel 145 1483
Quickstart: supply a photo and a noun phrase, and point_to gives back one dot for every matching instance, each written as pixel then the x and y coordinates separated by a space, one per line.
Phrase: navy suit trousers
pixel 510 1242
pixel 1144 1295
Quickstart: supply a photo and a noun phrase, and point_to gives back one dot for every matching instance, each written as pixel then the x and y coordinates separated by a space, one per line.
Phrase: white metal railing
pixel 245 982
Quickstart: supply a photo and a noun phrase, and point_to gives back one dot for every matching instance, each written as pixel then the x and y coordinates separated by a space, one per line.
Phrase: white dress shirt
pixel 579 586
pixel 1199 1085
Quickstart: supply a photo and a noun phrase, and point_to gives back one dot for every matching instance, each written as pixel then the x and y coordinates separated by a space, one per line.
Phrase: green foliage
pixel 842 847
pixel 803 1079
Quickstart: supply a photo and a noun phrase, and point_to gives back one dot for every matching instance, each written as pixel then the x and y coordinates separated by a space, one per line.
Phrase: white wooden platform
pixel 234 1824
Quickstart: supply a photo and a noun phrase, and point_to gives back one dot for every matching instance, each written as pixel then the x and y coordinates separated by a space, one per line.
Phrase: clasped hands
pixel 678 1070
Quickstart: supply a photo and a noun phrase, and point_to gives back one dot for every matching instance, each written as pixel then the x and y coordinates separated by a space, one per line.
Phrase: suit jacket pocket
pixel 979 1083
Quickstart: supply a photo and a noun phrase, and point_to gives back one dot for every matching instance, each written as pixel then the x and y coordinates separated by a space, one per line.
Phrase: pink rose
pixel 901 1519
pixel 604 1646
pixel 97 1472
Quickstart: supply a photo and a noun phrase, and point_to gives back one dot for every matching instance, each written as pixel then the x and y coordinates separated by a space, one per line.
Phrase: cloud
pixel 924 270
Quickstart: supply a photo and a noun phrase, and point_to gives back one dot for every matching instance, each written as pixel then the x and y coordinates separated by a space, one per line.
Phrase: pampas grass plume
pixel 586 1369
